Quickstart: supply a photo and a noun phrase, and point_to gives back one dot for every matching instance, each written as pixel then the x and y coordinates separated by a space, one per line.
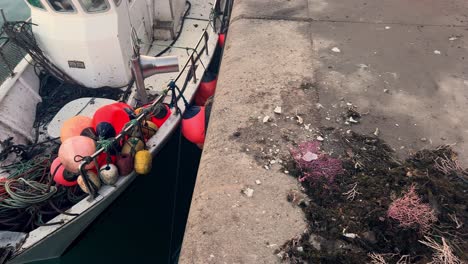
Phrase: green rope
pixel 24 193
pixel 106 144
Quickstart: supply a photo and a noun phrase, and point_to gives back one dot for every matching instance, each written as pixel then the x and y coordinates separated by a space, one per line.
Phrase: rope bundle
pixel 29 197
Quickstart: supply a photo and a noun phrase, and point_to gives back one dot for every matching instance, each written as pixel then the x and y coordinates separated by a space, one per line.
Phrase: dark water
pixel 137 227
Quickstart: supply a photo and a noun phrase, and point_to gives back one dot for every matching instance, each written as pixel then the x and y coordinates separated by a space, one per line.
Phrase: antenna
pixel 3 15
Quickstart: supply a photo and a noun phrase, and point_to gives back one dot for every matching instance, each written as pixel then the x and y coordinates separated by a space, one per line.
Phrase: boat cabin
pixel 91 40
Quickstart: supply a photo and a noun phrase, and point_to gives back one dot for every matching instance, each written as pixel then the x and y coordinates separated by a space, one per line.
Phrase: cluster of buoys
pixel 81 136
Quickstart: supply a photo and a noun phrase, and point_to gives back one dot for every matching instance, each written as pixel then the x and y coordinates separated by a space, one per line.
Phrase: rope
pixel 180 31
pixel 24 193
pixel 175 188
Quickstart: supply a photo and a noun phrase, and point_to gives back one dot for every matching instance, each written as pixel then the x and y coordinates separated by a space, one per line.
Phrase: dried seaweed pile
pixel 380 209
pixel 56 94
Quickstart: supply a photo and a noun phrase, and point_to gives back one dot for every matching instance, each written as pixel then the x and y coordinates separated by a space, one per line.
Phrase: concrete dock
pixel 401 63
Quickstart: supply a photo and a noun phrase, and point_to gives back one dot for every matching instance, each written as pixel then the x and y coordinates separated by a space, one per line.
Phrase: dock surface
pixel 402 64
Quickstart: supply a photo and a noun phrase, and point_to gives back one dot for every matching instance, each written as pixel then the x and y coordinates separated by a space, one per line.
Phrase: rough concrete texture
pixel 225 225
pixel 402 64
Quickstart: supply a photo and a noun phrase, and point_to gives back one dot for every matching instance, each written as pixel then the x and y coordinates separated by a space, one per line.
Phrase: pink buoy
pixel 73 150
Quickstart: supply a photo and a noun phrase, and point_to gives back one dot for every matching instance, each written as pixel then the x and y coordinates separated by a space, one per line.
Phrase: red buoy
pixel 103 160
pixel 206 89
pixel 61 176
pixel 114 114
pixel 221 39
pixel 193 124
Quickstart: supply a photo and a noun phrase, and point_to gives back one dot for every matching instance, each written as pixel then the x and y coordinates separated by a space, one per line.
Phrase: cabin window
pixel 36 3
pixel 94 6
pixel 64 6
pixel 117 2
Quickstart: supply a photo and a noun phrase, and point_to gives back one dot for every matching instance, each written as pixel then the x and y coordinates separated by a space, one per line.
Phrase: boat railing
pixel 190 67
pixel 10 53
pixel 10 56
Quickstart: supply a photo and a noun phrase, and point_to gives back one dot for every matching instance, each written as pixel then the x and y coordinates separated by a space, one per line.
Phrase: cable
pixel 180 31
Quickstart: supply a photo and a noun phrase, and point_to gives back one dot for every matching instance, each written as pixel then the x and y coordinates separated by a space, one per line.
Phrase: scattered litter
pixel 349 104
pixel 277 110
pixel 258 182
pixel 336 50
pixel 266 119
pixel 300 121
pixel 362 66
pixel 319 138
pixel 423 139
pixel 272 161
pixel 248 192
pixel 309 156
pixel 453 38
pixel 266 167
pixel 377 132
pixel 307 126
pixel 352 120
pixel 318 106
pixel 351 115
pixel 327 118
pixel 300 249
pixel 397 125
pixel 437 52
pixel 386 91
pixel 350 235
pixel 348 131
pixel 287 172
pixel 387 27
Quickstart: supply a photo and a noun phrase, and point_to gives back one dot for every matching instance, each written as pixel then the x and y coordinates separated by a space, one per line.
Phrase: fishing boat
pixel 112 76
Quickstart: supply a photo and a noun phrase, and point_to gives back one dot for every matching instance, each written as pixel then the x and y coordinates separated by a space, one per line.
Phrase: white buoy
pixel 92 177
pixel 109 174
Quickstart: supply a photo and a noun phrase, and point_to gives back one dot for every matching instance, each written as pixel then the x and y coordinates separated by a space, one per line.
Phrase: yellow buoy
pixel 92 176
pixel 132 146
pixel 143 162
pixel 149 129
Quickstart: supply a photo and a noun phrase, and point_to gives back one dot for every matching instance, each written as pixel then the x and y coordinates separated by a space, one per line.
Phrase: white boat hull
pixel 19 96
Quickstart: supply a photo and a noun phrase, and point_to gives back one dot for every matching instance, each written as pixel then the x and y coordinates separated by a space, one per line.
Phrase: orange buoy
pixel 61 176
pixel 193 124
pixel 114 114
pixel 73 150
pixel 74 126
pixel 206 89
pixel 221 39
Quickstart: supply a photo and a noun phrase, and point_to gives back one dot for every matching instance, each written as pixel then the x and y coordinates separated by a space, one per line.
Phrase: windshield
pixel 36 3
pixel 94 6
pixel 62 5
